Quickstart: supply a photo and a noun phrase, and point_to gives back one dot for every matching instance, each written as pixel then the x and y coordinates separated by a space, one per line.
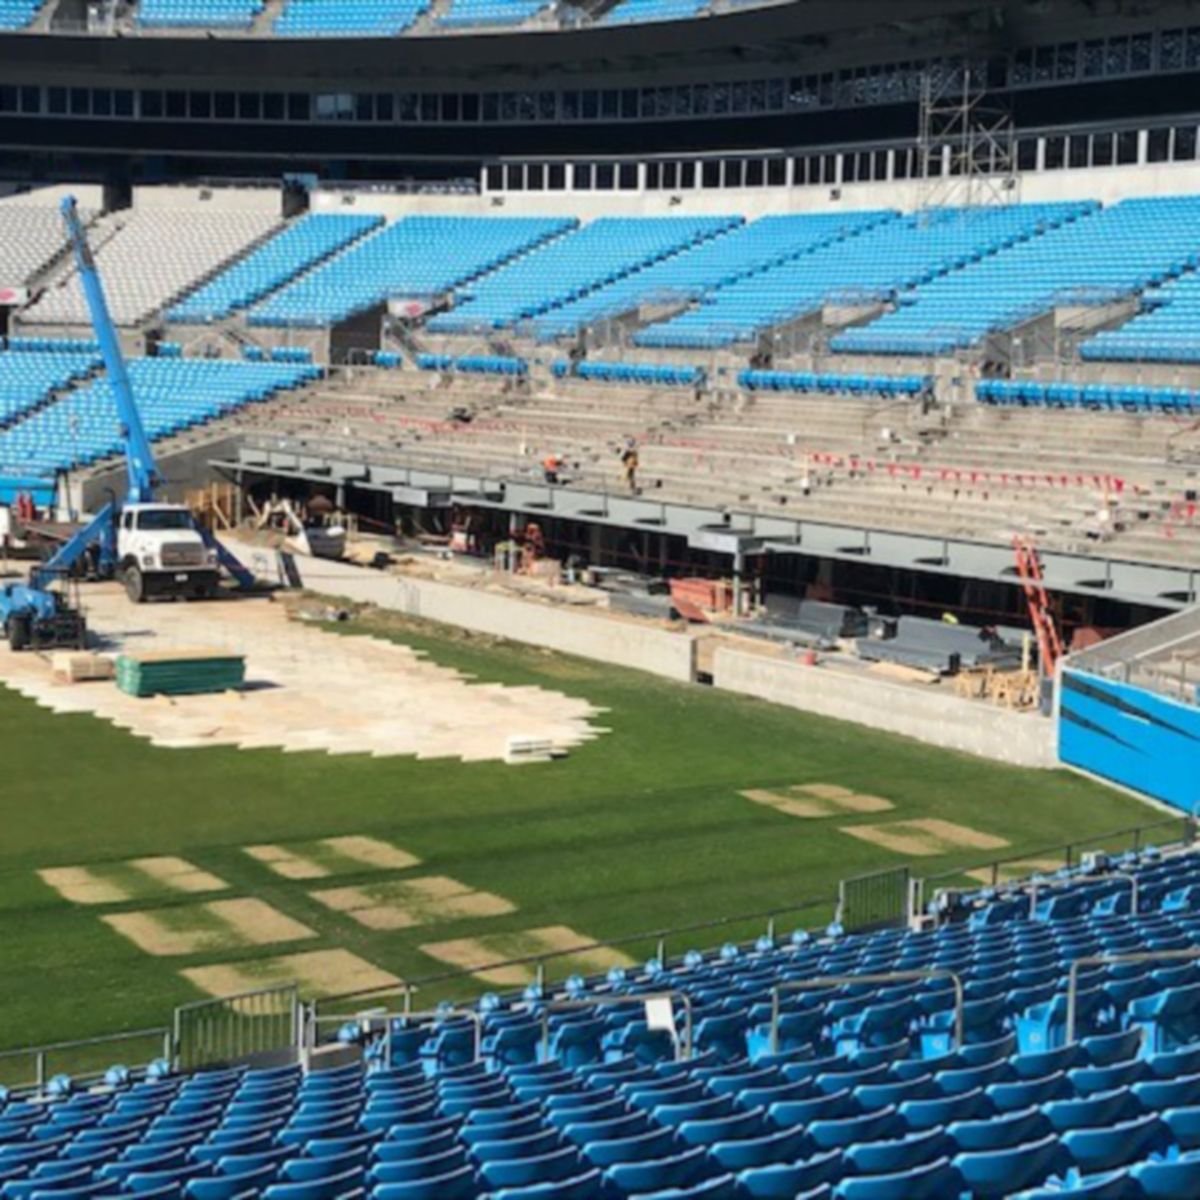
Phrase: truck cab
pixel 161 552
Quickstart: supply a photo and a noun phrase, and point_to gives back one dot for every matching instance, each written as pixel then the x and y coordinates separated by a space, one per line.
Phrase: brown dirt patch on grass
pixel 925 838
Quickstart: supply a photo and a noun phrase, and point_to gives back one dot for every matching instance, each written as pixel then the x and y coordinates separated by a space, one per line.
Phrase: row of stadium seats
pixel 857 385
pixel 572 266
pixel 172 394
pixel 1167 330
pixel 275 263
pixel 316 18
pixel 688 274
pixel 48 345
pixel 31 236
pixel 464 14
pixel 212 14
pixel 859 1090
pixel 280 354
pixel 474 364
pixel 17 14
pixel 1130 397
pixel 626 12
pixel 984 270
pixel 1113 254
pixel 29 376
pixel 332 18
pixel 148 256
pixel 666 374
pixel 417 257
pixel 870 268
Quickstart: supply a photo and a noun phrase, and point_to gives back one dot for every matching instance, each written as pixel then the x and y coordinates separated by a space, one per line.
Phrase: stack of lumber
pixel 79 666
pixel 179 672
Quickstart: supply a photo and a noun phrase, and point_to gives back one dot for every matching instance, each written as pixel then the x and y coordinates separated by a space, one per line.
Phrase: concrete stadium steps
pixel 758 453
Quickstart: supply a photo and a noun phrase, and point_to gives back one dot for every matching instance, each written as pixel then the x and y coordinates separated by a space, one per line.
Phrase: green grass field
pixel 642 829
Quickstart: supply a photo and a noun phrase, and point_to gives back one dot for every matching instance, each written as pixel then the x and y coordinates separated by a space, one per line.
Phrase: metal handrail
pixel 287 993
pixel 1100 960
pixel 40 1053
pixel 657 936
pixel 1069 850
pixel 822 981
pixel 641 998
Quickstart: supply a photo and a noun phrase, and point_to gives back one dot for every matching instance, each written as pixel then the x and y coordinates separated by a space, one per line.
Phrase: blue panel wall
pixel 1131 736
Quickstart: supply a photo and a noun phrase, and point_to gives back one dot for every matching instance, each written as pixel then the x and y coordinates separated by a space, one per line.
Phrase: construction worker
pixel 629 461
pixel 552 464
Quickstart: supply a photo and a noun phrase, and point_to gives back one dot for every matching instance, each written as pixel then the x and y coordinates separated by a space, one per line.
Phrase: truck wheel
pixel 18 632
pixel 135 585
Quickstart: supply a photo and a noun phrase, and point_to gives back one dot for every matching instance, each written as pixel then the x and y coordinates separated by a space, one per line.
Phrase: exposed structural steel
pixel 1029 568
pixel 718 530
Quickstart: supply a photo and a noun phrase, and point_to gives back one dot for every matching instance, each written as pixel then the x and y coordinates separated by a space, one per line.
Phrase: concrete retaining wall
pixel 183 468
pixel 937 718
pixel 1022 739
pixel 571 631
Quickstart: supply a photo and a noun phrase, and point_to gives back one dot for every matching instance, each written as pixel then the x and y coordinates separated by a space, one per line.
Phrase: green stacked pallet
pixel 179 672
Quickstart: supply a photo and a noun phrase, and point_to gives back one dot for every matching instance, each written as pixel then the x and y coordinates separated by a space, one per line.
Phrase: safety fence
pixel 878 900
pixel 232 1028
pixel 84 1061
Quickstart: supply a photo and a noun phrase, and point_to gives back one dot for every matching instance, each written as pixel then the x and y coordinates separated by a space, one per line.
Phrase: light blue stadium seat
pixel 930 1181
pixel 997 1173
pixel 336 18
pixel 213 14
pixel 418 258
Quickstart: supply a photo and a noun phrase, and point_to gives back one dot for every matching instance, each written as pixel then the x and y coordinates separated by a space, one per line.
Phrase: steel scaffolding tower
pixel 966 152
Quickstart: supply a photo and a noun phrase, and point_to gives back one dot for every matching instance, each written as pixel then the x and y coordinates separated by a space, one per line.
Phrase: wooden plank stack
pixel 179 672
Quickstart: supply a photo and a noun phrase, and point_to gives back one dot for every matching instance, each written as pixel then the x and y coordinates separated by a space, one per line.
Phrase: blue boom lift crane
pixel 154 548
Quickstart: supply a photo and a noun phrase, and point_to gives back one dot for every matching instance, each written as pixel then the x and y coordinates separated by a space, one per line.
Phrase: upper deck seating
pixel 466 14
pixel 626 12
pixel 690 273
pixel 348 18
pixel 31 237
pixel 416 257
pixel 1113 254
pixel 198 14
pixel 148 256
pixel 296 249
pixel 599 253
pixel 869 269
